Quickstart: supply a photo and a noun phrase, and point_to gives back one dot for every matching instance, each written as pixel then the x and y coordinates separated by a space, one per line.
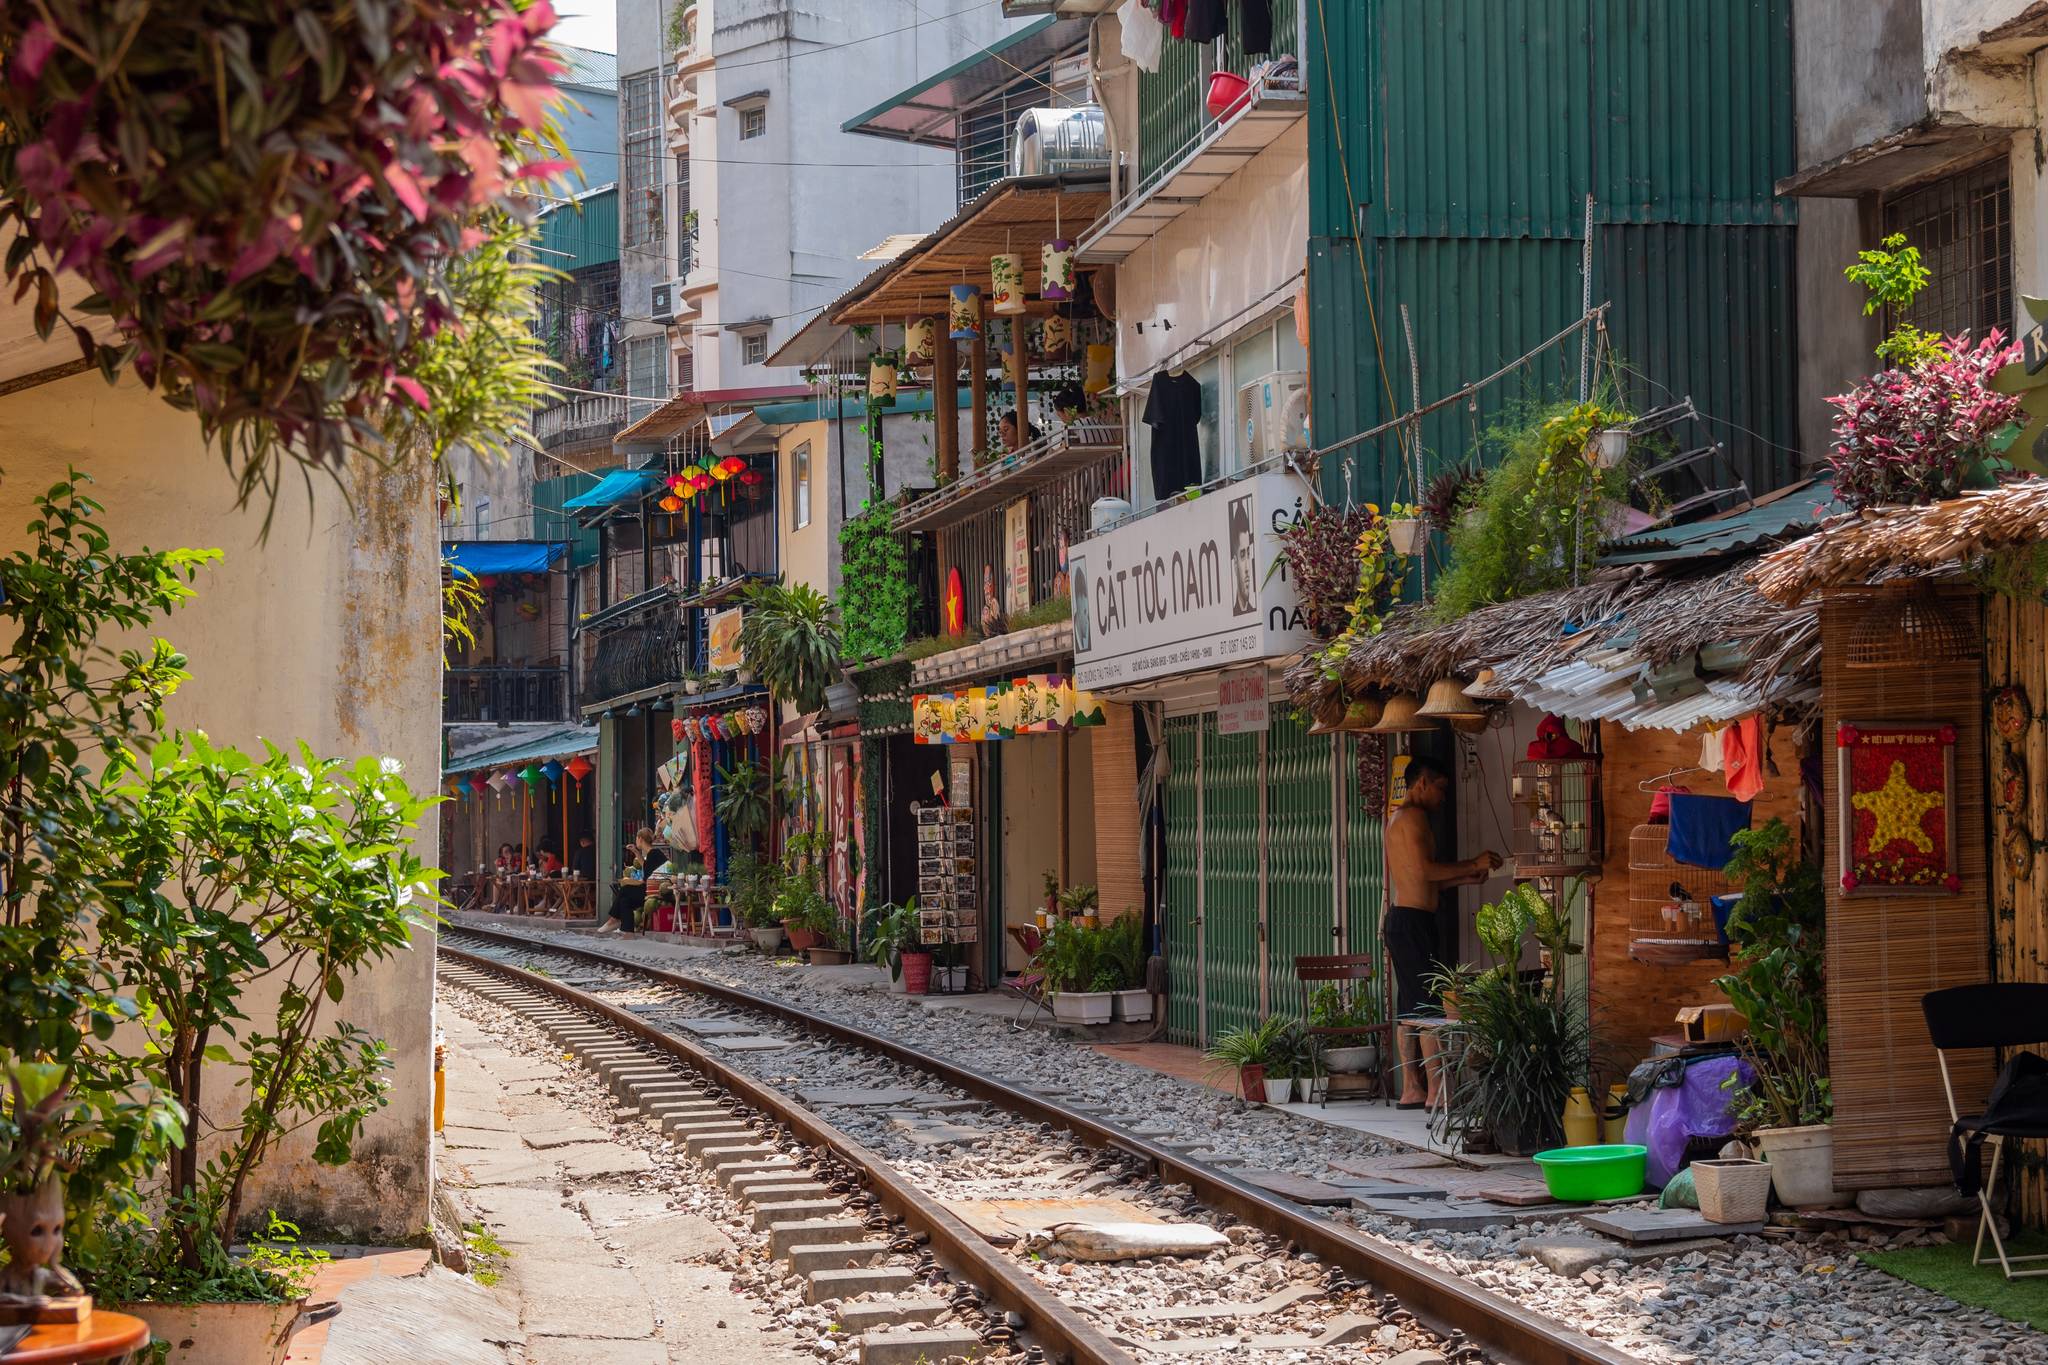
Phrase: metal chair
pixel 1028 985
pixel 1357 969
pixel 2002 1015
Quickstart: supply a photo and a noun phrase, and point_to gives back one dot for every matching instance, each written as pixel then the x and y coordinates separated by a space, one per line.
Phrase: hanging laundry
pixel 1255 26
pixel 1174 15
pixel 1144 37
pixel 1742 755
pixel 1660 804
pixel 1702 828
pixel 1710 751
pixel 1206 21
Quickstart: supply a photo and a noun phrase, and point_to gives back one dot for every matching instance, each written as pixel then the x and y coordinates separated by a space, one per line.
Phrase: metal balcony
pixel 504 695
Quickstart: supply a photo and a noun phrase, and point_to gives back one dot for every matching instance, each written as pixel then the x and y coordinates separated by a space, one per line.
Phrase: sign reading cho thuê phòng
pixel 1197 586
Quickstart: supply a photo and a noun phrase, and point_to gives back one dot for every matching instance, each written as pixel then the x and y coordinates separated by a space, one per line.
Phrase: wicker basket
pixel 1732 1191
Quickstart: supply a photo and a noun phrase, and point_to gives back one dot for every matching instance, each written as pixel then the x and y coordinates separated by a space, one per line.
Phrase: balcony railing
pixel 504 695
pixel 583 420
pixel 638 651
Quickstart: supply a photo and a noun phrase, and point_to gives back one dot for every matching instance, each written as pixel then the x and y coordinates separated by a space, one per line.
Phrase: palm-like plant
pixel 790 638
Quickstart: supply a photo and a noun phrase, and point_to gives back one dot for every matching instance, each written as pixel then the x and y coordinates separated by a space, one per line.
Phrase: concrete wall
pixel 839 485
pixel 1836 341
pixel 1858 73
pixel 328 633
pixel 496 496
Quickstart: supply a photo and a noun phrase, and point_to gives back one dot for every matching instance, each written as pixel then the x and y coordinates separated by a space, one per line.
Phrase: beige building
pixel 327 632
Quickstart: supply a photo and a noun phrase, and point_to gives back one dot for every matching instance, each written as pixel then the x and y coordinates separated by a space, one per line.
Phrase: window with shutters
pixel 686 220
pixel 753 122
pixel 754 348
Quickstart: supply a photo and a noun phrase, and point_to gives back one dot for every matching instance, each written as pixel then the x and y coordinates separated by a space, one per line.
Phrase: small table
pixel 102 1336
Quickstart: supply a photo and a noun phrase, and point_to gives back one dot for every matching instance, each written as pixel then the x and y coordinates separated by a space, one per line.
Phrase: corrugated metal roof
pixel 928 112
pixel 560 742
pixel 587 69
pixel 620 485
pixel 1795 508
pixel 1586 691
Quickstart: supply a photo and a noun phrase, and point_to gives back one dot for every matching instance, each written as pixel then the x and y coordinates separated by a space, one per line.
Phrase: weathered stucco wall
pixel 329 633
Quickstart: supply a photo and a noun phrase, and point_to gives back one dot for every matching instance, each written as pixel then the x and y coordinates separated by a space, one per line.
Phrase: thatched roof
pixel 1641 617
pixel 1886 542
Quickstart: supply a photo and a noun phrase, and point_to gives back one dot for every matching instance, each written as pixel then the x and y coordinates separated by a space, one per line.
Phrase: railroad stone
pixel 811 1258
pixel 764 1214
pixel 904 1346
pixel 848 1284
pixel 867 1315
pixel 1417 1357
pixel 782 1235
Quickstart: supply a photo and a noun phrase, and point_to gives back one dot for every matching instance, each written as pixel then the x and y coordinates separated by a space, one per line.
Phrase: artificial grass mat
pixel 1946 1270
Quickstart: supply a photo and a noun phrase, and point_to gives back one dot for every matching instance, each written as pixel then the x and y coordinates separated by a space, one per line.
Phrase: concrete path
pixel 593 1270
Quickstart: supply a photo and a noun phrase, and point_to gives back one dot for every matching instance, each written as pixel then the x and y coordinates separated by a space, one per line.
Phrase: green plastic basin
pixel 1583 1174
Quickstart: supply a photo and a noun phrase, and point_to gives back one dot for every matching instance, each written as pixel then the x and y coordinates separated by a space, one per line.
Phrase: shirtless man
pixel 1409 930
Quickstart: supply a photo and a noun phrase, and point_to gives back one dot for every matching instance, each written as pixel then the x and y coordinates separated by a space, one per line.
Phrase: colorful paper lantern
pixel 532 776
pixel 673 482
pixel 732 465
pixel 1058 335
pixel 757 717
pixel 752 478
pixel 579 768
pixel 552 771
pixel 964 313
pixel 690 473
pixel 480 784
pixel 671 504
pixel 701 483
pixel 920 340
pixel 882 379
pixel 1058 259
pixel 1006 283
pixel 1101 369
pixel 676 728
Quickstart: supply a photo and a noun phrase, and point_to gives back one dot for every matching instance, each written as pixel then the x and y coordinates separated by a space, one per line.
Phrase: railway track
pixel 919 1173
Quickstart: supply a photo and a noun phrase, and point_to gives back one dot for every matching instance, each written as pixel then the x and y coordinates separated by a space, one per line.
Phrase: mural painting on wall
pixel 1898 806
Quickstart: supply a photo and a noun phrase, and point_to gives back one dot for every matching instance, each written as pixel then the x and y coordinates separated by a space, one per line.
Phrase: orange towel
pixel 1742 757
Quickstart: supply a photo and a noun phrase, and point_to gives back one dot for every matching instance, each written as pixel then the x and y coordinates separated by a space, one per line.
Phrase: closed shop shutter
pixel 1301 866
pixel 1183 879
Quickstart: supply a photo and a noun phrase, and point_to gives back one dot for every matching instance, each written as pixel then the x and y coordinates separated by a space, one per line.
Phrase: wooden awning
pixel 1009 477
pixel 1019 214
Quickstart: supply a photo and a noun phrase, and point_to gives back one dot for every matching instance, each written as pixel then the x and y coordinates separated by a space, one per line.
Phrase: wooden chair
pixel 579 898
pixel 1358 969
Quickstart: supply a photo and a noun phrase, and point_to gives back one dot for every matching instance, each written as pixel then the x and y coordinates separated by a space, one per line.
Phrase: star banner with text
pixel 1897 781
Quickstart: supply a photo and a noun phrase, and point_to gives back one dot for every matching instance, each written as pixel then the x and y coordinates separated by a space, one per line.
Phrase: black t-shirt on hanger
pixel 1206 21
pixel 1255 26
pixel 1174 412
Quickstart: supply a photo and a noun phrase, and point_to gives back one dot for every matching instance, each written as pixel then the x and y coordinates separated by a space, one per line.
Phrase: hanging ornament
pixel 675 728
pixel 687 491
pixel 673 482
pixel 965 313
pixel 670 504
pixel 920 341
pixel 579 768
pixel 752 478
pixel 731 464
pixel 882 379
pixel 757 718
pixel 1006 283
pixel 1058 334
pixel 1058 284
pixel 691 473
pixel 532 776
pixel 488 582
pixel 702 483
pixel 552 771
pixel 480 784
pixel 1101 369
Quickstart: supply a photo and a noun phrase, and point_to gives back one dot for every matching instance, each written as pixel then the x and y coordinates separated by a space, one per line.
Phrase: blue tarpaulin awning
pixel 621 485
pixel 480 557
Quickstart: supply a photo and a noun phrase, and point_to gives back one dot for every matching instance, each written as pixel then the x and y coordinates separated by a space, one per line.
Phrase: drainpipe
pixel 1108 115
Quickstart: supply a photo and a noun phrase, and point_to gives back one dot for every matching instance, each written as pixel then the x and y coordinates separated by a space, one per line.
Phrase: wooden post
pixel 946 402
pixel 977 379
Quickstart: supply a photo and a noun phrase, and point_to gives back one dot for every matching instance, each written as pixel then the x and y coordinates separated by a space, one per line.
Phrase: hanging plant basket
pixel 1408 535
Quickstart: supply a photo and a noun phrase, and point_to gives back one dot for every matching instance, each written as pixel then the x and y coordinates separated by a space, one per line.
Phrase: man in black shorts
pixel 1410 930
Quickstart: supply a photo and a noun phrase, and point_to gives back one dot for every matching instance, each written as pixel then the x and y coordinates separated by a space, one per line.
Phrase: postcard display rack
pixel 948 890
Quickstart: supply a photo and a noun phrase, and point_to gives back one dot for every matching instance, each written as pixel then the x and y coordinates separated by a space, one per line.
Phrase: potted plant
pixel 1124 948
pixel 754 885
pixel 1777 945
pixel 790 638
pixel 1074 963
pixel 1407 531
pixel 291 870
pixel 1081 902
pixel 1290 1059
pixel 742 802
pixel 892 932
pixel 1249 1051
pixel 1051 911
pixel 1330 1007
pixel 1527 1043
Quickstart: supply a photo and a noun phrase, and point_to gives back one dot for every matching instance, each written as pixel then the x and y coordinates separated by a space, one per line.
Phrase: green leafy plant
pixel 74 705
pixel 789 636
pixel 875 590
pixel 1543 509
pixel 1260 1044
pixel 1777 933
pixel 290 870
pixel 1123 950
pixel 1043 613
pixel 272 206
pixel 128 1262
pixel 1319 554
pixel 754 884
pixel 680 25
pixel 892 932
pixel 1080 900
pixel 1892 275
pixel 461 602
pixel 1332 1006
pixel 742 802
pixel 926 646
pixel 1375 591
pixel 1071 956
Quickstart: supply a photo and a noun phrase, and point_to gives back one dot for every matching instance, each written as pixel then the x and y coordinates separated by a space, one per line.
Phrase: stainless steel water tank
pixel 1056 141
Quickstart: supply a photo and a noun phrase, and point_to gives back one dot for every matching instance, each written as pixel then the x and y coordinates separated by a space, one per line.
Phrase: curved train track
pixel 1374 1296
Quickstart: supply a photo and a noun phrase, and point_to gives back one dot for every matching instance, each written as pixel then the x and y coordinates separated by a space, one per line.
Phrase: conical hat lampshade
pixel 1402 713
pixel 1447 701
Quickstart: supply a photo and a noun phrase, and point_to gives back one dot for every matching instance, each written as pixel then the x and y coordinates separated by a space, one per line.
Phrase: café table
pixel 102 1336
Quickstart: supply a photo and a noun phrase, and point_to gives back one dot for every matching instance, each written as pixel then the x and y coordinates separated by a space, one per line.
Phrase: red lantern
pixel 673 482
pixel 579 767
pixel 487 582
pixel 751 478
pixel 702 483
pixel 675 729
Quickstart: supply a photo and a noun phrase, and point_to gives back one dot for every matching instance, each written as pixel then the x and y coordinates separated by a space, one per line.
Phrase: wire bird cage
pixel 1907 624
pixel 1670 904
pixel 1559 828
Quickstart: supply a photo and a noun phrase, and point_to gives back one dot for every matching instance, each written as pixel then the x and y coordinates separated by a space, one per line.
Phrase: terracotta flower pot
pixel 917 973
pixel 801 938
pixel 1251 1083
pixel 246 1333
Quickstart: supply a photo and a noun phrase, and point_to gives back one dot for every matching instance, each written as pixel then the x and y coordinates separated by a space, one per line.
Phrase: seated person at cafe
pixel 583 861
pixel 505 863
pixel 550 861
pixel 629 897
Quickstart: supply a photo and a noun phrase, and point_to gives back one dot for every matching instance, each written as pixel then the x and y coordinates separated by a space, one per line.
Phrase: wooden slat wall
pixel 1635 1000
pixel 1885 952
pixel 2016 654
pixel 1113 750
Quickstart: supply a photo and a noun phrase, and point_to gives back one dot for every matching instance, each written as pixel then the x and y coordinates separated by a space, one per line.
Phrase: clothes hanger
pixel 1650 784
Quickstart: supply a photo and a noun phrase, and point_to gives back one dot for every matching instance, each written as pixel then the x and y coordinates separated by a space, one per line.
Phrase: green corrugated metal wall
pixel 1183 885
pixel 583 233
pixel 1365 867
pixel 1473 129
pixel 1230 878
pixel 550 522
pixel 1300 873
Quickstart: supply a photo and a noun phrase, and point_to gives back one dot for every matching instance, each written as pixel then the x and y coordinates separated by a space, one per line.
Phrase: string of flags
pixel 1038 704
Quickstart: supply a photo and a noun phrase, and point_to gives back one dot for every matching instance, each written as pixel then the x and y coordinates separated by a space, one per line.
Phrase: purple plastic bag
pixel 1695 1108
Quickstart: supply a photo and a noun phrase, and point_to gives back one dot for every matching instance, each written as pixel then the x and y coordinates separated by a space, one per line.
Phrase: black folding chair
pixel 2004 1015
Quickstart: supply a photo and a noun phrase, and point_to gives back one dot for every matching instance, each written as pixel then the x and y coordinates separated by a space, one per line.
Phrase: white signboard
pixel 1017 545
pixel 1190 588
pixel 1241 702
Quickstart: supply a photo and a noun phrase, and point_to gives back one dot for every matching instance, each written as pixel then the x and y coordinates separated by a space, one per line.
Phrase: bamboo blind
pixel 2016 654
pixel 1113 756
pixel 1886 951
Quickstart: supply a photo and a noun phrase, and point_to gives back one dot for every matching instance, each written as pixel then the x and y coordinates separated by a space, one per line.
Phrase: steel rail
pixel 1065 1333
pixel 1444 1302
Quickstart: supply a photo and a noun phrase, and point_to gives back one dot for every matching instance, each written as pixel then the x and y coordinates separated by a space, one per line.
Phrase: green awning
pixel 527 747
pixel 929 111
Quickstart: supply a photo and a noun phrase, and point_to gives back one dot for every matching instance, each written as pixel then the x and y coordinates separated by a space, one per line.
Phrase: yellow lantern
pixel 920 342
pixel 1059 334
pixel 882 378
pixel 1101 369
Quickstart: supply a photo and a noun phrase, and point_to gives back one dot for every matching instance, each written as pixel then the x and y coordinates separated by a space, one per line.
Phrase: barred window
pixel 1962 225
pixel 640 204
pixel 644 367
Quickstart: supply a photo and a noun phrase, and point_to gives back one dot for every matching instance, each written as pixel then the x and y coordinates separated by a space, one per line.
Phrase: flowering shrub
pixel 1320 550
pixel 1910 435
pixel 270 200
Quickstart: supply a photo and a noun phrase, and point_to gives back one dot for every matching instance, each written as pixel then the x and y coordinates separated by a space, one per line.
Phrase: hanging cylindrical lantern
pixel 1015 364
pixel 1059 334
pixel 964 314
pixel 1006 283
pixel 882 379
pixel 1101 369
pixel 920 340
pixel 1058 261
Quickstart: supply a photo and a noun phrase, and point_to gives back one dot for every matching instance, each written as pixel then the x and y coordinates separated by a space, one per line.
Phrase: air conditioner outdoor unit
pixel 664 302
pixel 1272 414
